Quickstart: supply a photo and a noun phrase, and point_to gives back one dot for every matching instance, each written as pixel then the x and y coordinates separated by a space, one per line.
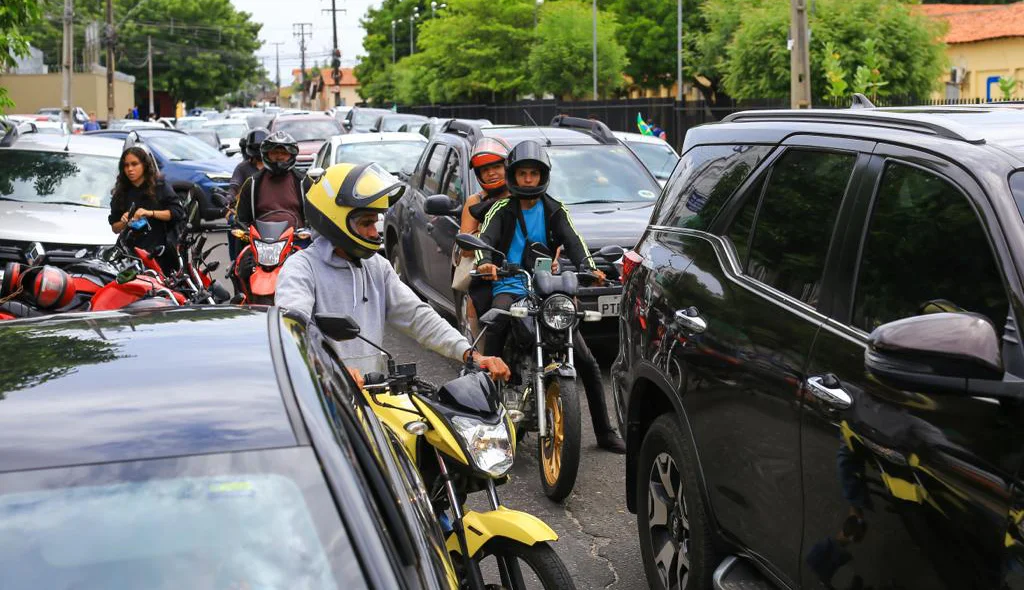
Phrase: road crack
pixel 597 542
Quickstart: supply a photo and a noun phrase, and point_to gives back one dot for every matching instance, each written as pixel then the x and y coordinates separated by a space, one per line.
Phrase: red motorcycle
pixel 270 243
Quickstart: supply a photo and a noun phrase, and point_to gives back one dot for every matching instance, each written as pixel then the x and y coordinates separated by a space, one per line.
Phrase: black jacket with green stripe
pixel 500 226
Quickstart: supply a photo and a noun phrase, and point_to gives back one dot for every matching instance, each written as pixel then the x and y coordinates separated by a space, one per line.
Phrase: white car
pixel 230 131
pixel 186 123
pixel 394 151
pixel 654 152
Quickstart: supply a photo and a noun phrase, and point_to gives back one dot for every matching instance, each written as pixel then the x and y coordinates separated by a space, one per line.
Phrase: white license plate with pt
pixel 608 305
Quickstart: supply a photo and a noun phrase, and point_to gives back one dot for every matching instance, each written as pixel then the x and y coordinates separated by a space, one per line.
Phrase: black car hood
pixel 603 224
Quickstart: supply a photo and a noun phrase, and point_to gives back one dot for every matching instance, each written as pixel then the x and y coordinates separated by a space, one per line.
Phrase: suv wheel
pixel 462 303
pixel 394 253
pixel 675 534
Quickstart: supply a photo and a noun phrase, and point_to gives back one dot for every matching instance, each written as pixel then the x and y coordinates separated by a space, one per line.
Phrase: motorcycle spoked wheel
pixel 559 453
pixel 509 564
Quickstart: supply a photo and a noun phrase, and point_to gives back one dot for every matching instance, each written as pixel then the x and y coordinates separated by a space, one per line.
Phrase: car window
pixel 310 129
pixel 178 147
pixel 925 251
pixel 393 156
pixel 454 186
pixel 57 177
pixel 435 167
pixel 704 180
pixel 658 157
pixel 793 223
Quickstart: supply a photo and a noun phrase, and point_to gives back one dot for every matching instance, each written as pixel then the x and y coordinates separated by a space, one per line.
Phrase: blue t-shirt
pixel 534 218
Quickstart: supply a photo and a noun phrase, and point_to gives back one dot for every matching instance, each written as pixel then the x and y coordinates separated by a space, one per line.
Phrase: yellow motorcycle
pixel 462 440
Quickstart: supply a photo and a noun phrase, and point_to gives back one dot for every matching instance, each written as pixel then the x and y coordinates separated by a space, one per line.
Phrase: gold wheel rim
pixel 551 448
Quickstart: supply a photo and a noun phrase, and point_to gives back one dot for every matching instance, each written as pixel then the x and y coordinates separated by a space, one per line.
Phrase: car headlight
pixel 219 176
pixel 269 253
pixel 558 312
pixel 489 445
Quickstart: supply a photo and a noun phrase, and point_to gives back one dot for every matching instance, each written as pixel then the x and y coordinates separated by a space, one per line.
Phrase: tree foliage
pixel 15 16
pixel 647 30
pixel 374 69
pixel 561 60
pixel 202 49
pixel 744 48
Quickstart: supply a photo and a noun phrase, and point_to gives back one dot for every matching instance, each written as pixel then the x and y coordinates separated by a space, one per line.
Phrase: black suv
pixel 608 191
pixel 820 373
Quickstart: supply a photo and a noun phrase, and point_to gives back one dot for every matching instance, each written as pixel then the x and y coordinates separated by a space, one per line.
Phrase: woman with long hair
pixel 140 185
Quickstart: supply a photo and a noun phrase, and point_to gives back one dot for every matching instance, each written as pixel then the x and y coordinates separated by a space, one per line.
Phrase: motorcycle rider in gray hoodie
pixel 340 272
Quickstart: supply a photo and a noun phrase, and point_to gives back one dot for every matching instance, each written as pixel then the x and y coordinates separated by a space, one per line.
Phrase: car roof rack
pixel 464 127
pixel 593 127
pixel 919 121
pixel 16 130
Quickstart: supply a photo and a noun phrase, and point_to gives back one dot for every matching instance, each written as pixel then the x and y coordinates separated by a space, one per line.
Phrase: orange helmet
pixel 489 150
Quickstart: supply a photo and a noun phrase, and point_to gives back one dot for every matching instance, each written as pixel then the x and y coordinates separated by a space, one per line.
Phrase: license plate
pixel 608 305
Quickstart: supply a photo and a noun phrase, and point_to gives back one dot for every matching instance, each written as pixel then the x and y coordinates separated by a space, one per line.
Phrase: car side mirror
pixel 441 205
pixel 347 125
pixel 315 174
pixel 337 327
pixel 935 353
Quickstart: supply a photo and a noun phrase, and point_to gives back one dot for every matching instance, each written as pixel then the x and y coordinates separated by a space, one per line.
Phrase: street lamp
pixel 393 52
pixel 434 6
pixel 594 12
pixel 412 32
pixel 535 10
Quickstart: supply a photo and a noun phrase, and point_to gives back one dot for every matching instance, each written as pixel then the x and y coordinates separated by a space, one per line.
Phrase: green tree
pixel 756 62
pixel 376 80
pixel 835 77
pixel 1007 86
pixel 647 29
pixel 561 59
pixel 15 15
pixel 202 49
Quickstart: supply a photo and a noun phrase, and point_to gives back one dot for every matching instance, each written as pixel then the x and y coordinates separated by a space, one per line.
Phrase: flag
pixel 645 129
pixel 394 108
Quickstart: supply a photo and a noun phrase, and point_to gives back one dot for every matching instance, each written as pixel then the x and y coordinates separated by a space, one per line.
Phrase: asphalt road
pixel 597 536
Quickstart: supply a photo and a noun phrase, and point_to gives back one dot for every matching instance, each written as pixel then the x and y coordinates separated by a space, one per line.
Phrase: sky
pixel 278 16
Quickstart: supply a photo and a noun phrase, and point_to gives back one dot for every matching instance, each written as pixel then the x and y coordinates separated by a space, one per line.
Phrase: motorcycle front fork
pixel 542 415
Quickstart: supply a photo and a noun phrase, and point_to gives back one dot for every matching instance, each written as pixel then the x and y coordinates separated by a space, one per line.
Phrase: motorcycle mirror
pixel 491 315
pixel 472 243
pixel 337 327
pixel 540 250
pixel 611 253
pixel 315 174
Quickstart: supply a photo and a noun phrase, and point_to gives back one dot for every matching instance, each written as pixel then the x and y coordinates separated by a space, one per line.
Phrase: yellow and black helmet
pixel 346 190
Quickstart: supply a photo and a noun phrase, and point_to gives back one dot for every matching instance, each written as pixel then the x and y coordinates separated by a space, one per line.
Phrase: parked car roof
pixel 119 386
pixel 377 137
pixel 77 144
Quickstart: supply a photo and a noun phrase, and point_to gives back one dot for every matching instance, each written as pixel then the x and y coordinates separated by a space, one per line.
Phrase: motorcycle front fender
pixel 561 370
pixel 262 282
pixel 519 526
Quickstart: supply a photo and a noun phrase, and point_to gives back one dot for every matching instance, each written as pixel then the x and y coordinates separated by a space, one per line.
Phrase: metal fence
pixel 620 115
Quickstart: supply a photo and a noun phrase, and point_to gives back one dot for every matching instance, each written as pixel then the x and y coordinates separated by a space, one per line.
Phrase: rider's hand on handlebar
pixel 493 365
pixel 140 213
pixel 488 271
pixel 356 376
pixel 599 275
pixel 124 218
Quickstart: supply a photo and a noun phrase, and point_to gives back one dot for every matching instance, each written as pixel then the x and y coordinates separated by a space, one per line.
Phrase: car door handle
pixel 430 228
pixel 690 319
pixel 828 389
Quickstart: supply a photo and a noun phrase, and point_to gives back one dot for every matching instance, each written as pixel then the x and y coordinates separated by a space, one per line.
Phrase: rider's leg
pixel 479 302
pixel 494 340
pixel 590 374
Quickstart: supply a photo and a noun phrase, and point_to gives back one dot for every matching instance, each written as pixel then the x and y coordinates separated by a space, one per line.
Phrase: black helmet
pixel 249 143
pixel 527 152
pixel 275 140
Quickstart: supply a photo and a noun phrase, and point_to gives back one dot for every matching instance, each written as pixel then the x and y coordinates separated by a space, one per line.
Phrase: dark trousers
pixel 586 365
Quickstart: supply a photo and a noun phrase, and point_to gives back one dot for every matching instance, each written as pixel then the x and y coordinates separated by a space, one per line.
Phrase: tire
pixel 558 456
pixel 540 558
pixel 394 252
pixel 678 554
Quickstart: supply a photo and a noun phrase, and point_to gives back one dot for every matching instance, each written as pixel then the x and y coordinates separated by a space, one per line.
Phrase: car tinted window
pixel 793 223
pixel 739 230
pixel 57 177
pixel 454 186
pixel 925 251
pixel 435 168
pixel 703 181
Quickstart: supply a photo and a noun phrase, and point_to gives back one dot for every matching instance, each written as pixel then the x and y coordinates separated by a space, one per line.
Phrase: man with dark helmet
pixel 531 215
pixel 250 146
pixel 341 273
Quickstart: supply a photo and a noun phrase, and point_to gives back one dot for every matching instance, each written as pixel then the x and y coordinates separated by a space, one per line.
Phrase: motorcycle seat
pixel 270 231
pixel 547 283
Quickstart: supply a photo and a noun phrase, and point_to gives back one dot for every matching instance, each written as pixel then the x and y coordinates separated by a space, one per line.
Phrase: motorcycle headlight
pixel 268 253
pixel 558 312
pixel 489 445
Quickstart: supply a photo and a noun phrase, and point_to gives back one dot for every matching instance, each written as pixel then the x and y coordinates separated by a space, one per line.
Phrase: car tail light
pixel 630 261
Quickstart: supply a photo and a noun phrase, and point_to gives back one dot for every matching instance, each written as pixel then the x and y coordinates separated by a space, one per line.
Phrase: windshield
pixel 599 173
pixel 233 130
pixel 393 123
pixel 177 147
pixel 364 120
pixel 659 158
pixel 257 121
pixel 248 520
pixel 189 123
pixel 57 177
pixel 309 130
pixel 393 156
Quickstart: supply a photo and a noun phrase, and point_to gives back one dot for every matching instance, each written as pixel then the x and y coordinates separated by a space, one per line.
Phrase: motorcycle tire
pixel 558 456
pixel 540 558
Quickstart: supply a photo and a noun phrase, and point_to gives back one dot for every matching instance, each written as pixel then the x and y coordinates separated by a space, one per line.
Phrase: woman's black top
pixel 479 211
pixel 161 233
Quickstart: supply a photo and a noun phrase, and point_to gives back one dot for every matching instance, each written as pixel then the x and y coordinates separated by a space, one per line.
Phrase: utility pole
pixel 149 60
pixel 277 66
pixel 679 50
pixel 799 58
pixel 336 54
pixel 69 62
pixel 300 33
pixel 412 32
pixel 110 61
pixel 595 48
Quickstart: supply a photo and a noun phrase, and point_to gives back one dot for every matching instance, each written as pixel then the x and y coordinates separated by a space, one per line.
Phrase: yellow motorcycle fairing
pixel 511 524
pixel 396 419
pixel 439 435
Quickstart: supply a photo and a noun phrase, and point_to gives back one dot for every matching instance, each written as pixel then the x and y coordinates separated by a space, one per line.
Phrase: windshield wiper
pixel 595 201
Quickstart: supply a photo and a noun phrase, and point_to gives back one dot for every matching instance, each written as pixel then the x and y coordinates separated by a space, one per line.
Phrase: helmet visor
pixel 372 183
pixel 487 151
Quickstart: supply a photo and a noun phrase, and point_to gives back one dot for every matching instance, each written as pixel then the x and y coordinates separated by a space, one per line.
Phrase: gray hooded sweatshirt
pixel 316 280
